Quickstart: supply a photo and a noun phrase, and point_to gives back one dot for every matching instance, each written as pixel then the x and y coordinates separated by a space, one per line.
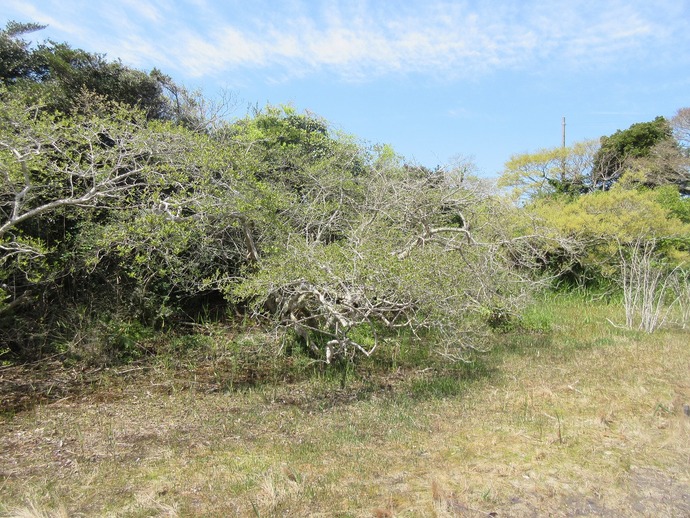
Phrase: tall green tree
pixel 16 59
pixel 647 154
pixel 646 151
pixel 57 74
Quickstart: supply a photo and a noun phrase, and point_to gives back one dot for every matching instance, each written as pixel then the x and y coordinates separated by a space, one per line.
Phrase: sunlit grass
pixel 565 413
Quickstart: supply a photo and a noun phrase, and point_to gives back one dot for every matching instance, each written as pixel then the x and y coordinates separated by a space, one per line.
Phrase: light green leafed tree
pixel 638 239
pixel 558 170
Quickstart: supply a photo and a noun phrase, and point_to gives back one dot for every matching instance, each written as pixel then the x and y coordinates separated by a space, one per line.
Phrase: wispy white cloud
pixel 366 39
pixel 443 39
pixel 146 10
pixel 28 12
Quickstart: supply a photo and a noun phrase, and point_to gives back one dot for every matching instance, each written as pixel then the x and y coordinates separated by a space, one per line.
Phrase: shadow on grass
pixel 416 382
pixel 414 374
pixel 22 387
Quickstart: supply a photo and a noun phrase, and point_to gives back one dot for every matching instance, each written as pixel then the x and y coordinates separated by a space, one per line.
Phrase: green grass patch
pixel 568 412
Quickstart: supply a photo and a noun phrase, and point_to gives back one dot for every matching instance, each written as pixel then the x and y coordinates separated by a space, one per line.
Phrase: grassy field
pixel 571 417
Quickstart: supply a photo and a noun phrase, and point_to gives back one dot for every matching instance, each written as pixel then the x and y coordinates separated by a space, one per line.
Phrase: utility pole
pixel 563 159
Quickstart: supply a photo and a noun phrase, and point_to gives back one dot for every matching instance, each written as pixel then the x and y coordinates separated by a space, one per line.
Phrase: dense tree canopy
pixel 127 203
pixel 610 199
pixel 117 206
pixel 647 148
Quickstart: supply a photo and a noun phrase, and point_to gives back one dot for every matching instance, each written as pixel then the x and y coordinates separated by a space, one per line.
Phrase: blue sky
pixel 436 79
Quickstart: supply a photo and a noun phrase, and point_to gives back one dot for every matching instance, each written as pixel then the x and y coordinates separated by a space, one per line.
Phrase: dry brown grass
pixel 584 421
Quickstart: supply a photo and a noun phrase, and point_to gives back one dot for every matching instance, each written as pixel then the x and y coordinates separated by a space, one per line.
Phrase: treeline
pixel 622 203
pixel 128 206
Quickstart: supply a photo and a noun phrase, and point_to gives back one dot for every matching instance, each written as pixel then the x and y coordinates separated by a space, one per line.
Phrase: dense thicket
pixel 126 208
pixel 123 210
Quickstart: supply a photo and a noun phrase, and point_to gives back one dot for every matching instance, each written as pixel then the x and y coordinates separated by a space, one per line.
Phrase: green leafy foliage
pixel 647 148
pixel 561 170
pixel 127 206
pixel 646 154
pixel 605 224
pixel 636 141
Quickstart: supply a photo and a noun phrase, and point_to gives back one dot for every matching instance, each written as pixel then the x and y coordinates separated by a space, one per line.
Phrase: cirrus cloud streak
pixel 361 40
